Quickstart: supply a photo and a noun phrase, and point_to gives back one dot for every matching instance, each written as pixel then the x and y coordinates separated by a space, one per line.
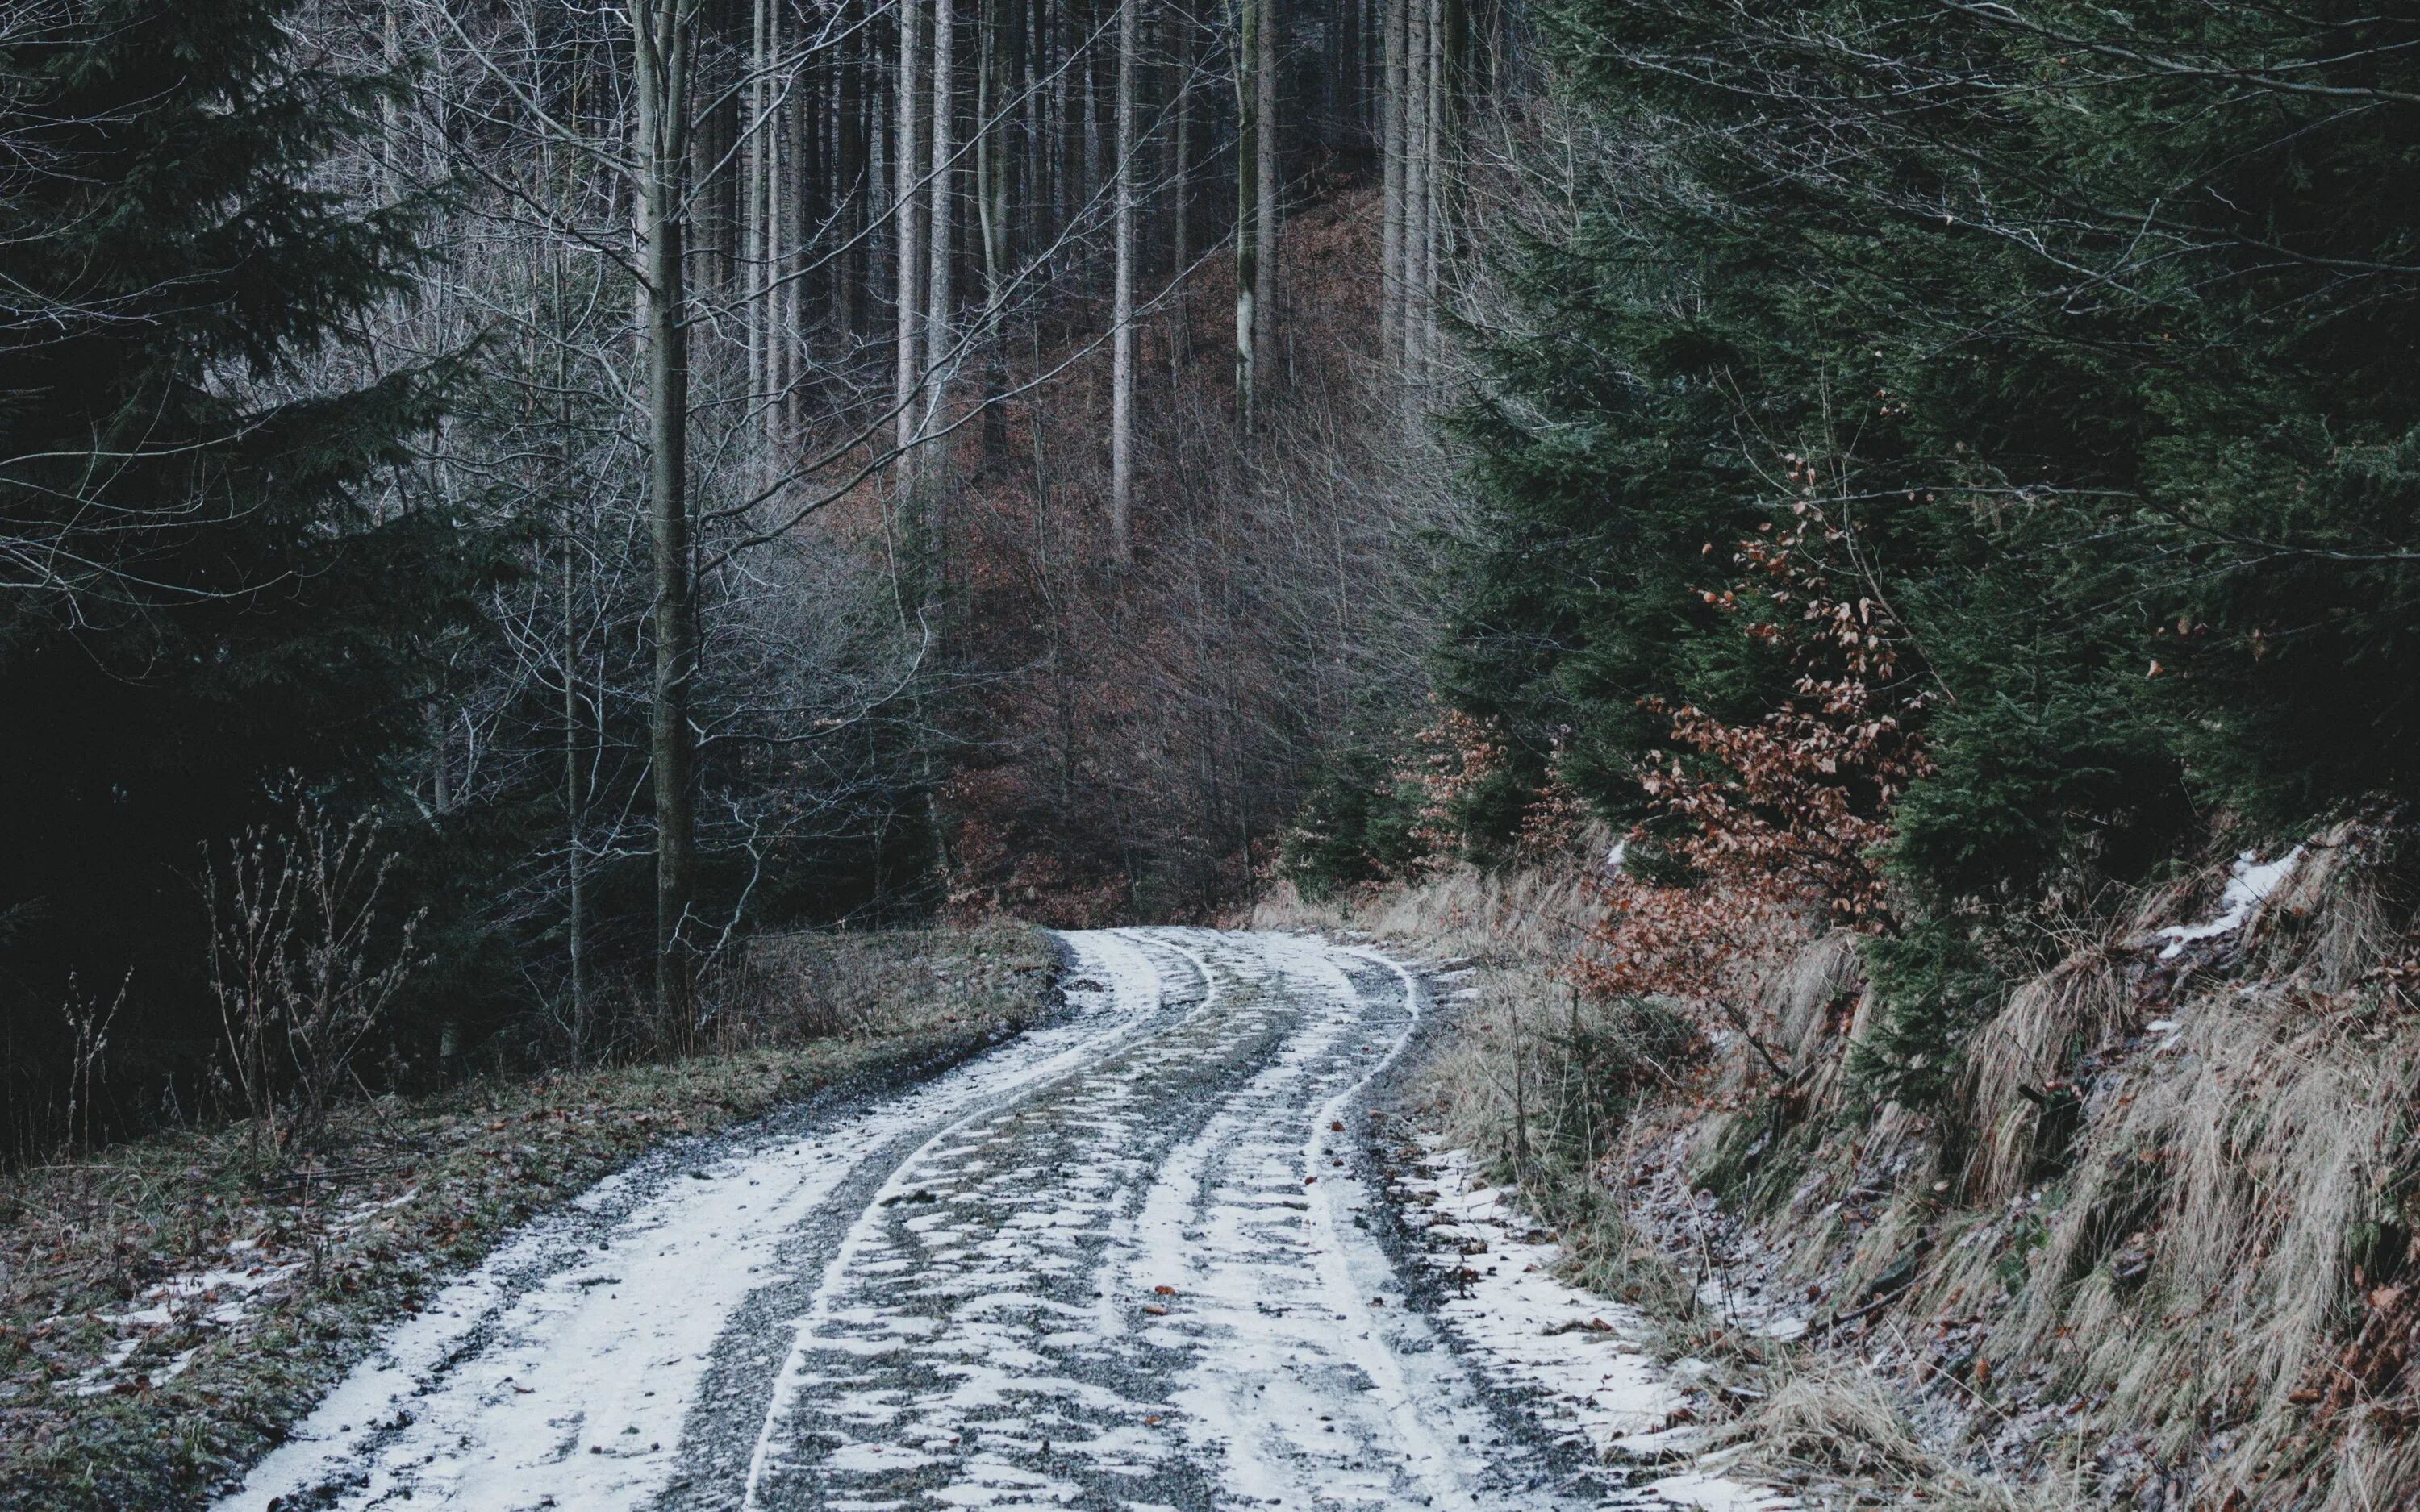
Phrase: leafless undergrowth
pixel 303 965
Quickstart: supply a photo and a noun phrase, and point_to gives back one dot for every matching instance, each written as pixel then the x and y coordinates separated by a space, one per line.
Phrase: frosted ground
pixel 1124 1261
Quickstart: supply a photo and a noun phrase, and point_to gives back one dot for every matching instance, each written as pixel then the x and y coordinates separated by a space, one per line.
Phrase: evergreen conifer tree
pixel 210 583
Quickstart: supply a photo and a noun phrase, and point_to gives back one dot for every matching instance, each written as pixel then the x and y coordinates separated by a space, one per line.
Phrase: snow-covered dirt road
pixel 1127 1261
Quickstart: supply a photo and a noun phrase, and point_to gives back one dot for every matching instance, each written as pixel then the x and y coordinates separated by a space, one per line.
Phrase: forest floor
pixel 168 1309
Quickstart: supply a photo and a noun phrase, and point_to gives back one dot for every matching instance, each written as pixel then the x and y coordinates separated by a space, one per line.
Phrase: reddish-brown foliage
pixel 1777 823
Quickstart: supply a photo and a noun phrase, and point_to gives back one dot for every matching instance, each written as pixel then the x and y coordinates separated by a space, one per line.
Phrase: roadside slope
pixel 2152 1248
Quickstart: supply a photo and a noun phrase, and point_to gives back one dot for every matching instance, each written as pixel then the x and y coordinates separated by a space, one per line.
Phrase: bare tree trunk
pixel 778 165
pixel 1390 320
pixel 1247 211
pixel 789 205
pixel 1414 105
pixel 1055 134
pixel 660 32
pixel 1035 44
pixel 1090 77
pixel 849 181
pixel 991 205
pixel 1266 160
pixel 576 889
pixel 759 175
pixel 910 245
pixel 1433 185
pixel 574 795
pixel 1121 376
pixel 390 108
pixel 940 222
pixel 1181 190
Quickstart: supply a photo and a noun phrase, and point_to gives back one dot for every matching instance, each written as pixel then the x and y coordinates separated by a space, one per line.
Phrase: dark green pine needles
pixel 207 584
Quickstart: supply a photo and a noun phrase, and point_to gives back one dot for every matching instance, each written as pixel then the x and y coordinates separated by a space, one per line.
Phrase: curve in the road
pixel 1118 1262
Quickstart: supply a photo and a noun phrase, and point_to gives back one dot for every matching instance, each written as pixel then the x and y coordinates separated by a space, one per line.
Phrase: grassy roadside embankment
pixel 2152 1250
pixel 168 1309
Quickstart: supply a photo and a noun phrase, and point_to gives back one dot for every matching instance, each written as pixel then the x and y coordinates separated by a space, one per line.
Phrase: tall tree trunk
pixel 1247 212
pixel 909 246
pixel 1180 175
pixel 661 30
pixel 1266 156
pixel 759 172
pixel 1122 376
pixel 940 222
pixel 390 108
pixel 991 207
pixel 1390 319
pixel 850 268
pixel 1056 134
pixel 803 171
pixel 1034 39
pixel 1180 149
pixel 574 795
pixel 780 99
pixel 1414 104
pixel 1090 74
pixel 574 807
pixel 1433 182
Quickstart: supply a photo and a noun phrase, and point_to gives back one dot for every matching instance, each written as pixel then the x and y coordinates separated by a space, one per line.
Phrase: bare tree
pixel 940 332
pixel 1390 266
pixel 1419 165
pixel 906 239
pixel 1248 207
pixel 1265 204
pixel 1122 380
pixel 661 35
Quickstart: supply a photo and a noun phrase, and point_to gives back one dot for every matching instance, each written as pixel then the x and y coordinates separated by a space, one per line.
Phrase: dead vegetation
pixel 2157 1252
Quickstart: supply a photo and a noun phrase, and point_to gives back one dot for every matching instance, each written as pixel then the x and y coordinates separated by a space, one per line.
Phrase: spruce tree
pixel 210 584
pixel 2095 330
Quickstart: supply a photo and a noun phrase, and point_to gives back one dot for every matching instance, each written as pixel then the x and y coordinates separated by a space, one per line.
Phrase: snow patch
pixel 565 1366
pixel 1576 1356
pixel 1576 1352
pixel 2252 882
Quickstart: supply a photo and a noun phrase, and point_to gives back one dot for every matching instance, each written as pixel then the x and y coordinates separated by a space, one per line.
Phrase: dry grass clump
pixel 788 989
pixel 2016 1078
pixel 1833 1432
pixel 1536 917
pixel 1537 1071
pixel 2164 1244
pixel 2182 1240
pixel 2167 1234
pixel 2218 1235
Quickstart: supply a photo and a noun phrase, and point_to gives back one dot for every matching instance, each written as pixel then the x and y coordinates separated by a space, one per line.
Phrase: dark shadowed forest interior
pixel 625 479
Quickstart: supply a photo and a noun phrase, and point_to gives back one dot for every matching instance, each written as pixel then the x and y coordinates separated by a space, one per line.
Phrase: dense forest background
pixel 500 502
pixel 506 502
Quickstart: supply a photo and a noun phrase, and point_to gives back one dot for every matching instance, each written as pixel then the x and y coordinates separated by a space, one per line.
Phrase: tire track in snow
pixel 1121 1264
pixel 558 1373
